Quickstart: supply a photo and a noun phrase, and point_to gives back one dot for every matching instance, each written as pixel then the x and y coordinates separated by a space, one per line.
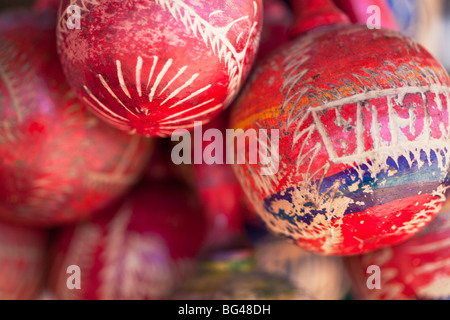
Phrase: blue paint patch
pixel 402 179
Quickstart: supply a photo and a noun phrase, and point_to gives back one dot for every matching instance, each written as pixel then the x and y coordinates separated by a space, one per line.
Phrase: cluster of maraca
pixel 92 205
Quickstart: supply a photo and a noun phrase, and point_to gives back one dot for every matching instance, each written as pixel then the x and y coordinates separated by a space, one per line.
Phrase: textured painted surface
pixel 364 132
pixel 22 262
pixel 152 76
pixel 138 249
pixel 416 269
pixel 59 162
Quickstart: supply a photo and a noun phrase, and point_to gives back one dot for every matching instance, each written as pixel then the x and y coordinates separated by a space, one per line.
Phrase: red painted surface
pixel 59 162
pixel 22 262
pixel 152 76
pixel 138 249
pixel 416 269
pixel 363 138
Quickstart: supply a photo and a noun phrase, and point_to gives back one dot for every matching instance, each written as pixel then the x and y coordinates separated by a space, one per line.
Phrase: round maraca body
pixel 153 66
pixel 138 249
pixel 363 130
pixel 23 254
pixel 59 162
pixel 418 269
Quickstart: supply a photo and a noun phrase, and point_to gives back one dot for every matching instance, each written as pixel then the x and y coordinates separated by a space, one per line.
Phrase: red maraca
pixel 22 262
pixel 363 135
pixel 138 249
pixel 152 66
pixel 59 162
pixel 416 269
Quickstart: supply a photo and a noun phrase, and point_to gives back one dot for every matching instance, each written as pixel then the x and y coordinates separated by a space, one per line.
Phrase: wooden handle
pixel 312 14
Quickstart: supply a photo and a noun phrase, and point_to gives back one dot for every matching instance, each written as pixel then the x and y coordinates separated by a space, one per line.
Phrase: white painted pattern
pixel 159 78
pixel 114 117
pixel 216 38
pixel 164 121
pixel 17 75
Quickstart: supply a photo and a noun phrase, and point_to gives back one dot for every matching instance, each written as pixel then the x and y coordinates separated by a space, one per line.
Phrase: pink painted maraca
pixel 138 249
pixel 363 131
pixel 59 162
pixel 152 66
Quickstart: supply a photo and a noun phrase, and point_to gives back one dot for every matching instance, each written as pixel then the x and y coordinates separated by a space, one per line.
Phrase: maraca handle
pixel 312 14
pixel 357 11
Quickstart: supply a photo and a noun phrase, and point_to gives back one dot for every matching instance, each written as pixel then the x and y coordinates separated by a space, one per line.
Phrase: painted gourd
pixel 152 66
pixel 22 261
pixel 363 120
pixel 138 249
pixel 59 162
pixel 418 269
